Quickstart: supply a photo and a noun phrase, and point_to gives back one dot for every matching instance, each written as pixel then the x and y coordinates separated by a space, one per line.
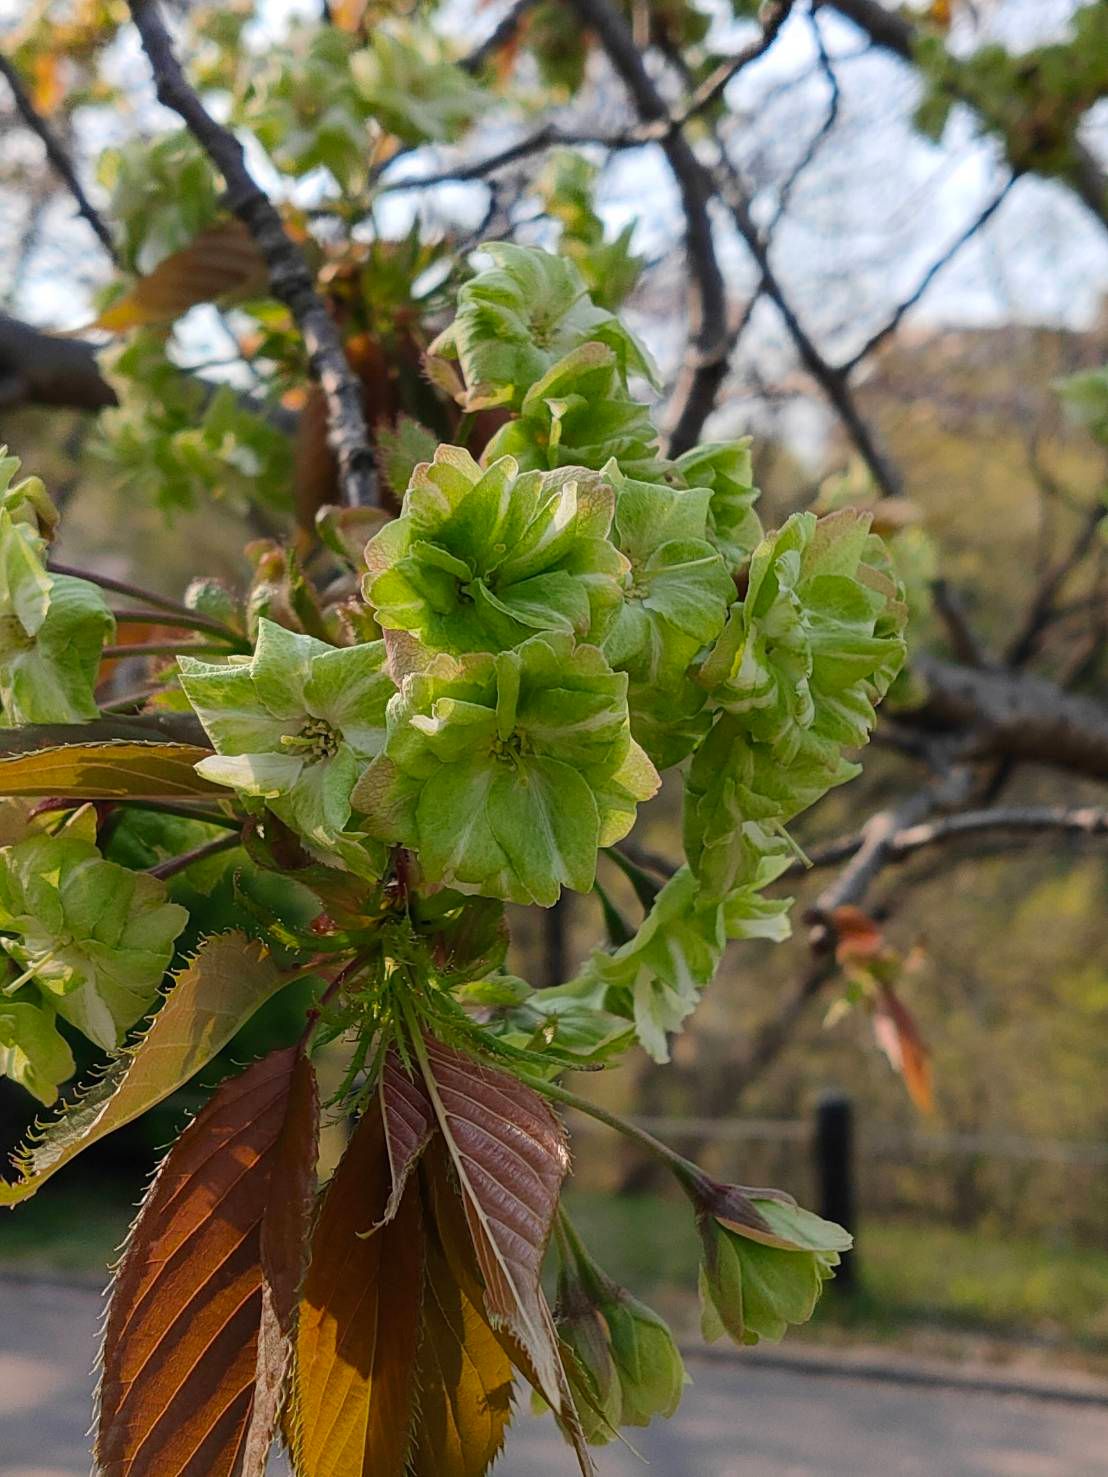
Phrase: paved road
pixel 748 1421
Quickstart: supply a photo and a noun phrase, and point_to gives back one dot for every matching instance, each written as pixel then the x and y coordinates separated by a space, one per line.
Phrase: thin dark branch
pixel 963 239
pixel 774 16
pixel 706 364
pixel 891 30
pixel 549 136
pixel 149 728
pixel 830 379
pixel 289 275
pixel 819 138
pixel 952 612
pixel 57 156
pixel 1042 604
pixel 503 34
pixel 177 864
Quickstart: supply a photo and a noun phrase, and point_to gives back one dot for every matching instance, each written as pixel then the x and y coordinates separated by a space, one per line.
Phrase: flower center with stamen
pixel 509 750
pixel 316 740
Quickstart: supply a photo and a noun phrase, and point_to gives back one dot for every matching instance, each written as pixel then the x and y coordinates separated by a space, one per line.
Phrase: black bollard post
pixel 834 1152
pixel 554 966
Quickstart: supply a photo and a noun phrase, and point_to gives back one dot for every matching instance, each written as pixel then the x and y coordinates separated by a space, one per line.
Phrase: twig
pixel 148 728
pixel 893 31
pixel 952 612
pixel 549 136
pixel 1042 604
pixel 289 276
pixel 830 379
pixel 190 622
pixel 709 351
pixel 502 35
pixel 944 260
pixel 198 854
pixel 774 16
pixel 821 135
pixel 57 156
pixel 120 587
pixel 163 648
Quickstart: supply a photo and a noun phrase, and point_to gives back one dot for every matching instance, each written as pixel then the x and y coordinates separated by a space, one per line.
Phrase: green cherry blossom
pixel 518 317
pixel 52 627
pixel 295 725
pixel 506 773
pixel 480 560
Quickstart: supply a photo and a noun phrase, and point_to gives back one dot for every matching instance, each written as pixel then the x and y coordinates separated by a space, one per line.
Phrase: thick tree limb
pixel 289 275
pixel 1013 715
pixel 56 154
pixel 890 30
pixel 37 368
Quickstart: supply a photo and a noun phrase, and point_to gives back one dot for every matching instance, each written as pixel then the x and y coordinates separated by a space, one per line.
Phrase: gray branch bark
pixel 290 278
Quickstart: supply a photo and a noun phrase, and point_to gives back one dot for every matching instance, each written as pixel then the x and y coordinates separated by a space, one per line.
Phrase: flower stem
pixel 121 587
pixel 163 648
pixel 198 854
pixel 133 699
pixel 350 968
pixel 677 1162
pixel 190 622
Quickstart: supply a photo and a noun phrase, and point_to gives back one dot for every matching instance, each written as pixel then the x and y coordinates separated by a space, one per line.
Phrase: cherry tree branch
pixel 892 31
pixel 709 349
pixel 963 239
pixel 56 155
pixel 289 275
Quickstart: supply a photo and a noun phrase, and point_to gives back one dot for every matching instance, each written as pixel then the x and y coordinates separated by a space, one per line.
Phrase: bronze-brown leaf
pixel 409 1120
pixel 898 1036
pixel 200 1324
pixel 353 1394
pixel 221 261
pixel 508 1151
pixel 464 1373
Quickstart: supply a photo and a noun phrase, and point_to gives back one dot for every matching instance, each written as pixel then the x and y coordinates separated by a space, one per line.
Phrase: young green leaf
pixel 95 937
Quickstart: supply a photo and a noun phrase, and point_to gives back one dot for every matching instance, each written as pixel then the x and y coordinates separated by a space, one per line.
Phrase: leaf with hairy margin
pixel 409 1121
pixel 464 1373
pixel 199 1328
pixel 509 1153
pixel 217 991
pixel 353 1395
pixel 111 771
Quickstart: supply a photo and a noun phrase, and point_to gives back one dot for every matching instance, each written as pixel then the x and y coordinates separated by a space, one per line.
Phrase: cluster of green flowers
pixel 52 626
pixel 561 621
